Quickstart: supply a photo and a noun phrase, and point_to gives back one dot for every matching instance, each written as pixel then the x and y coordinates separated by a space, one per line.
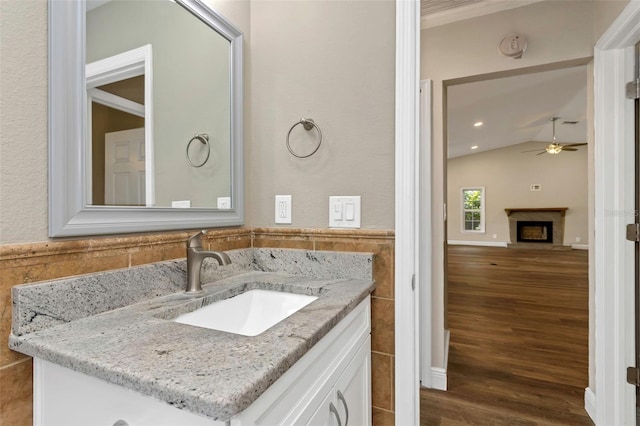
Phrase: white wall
pixel 506 175
pixel 332 61
pixel 23 123
pixel 556 31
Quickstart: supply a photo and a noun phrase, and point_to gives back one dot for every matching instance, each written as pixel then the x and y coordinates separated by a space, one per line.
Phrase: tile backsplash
pixel 27 263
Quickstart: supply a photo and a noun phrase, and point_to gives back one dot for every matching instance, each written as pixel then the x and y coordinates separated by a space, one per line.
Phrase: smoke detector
pixel 513 46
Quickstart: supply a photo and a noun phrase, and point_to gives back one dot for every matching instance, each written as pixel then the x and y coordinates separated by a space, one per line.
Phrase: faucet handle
pixel 195 241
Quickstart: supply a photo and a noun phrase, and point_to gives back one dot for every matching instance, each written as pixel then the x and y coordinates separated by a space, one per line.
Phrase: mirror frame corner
pixel 69 214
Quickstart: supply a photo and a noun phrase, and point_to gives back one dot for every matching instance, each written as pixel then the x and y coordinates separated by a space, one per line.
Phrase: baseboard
pixel 438 378
pixel 590 403
pixel 477 243
pixel 439 375
pixel 580 246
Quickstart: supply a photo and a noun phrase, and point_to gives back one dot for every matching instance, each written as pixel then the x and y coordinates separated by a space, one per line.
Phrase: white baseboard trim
pixel 590 403
pixel 580 246
pixel 477 243
pixel 438 378
pixel 439 375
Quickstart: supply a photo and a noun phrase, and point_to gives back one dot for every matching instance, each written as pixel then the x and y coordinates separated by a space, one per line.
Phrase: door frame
pixel 132 63
pixel 407 288
pixel 613 400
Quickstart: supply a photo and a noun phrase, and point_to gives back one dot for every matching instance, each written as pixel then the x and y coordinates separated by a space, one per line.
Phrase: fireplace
pixel 534 231
pixel 536 228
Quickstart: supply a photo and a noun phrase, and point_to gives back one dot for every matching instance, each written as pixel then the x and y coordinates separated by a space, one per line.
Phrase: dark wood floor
pixel 519 339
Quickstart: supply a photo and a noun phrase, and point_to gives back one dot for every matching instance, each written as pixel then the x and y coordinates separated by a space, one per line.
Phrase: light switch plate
pixel 344 211
pixel 283 209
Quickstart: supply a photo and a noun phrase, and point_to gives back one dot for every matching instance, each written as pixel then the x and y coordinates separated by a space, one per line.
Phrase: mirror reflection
pixel 158 107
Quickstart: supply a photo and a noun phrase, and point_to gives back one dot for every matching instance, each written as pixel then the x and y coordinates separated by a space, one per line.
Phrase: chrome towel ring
pixel 204 139
pixel 308 124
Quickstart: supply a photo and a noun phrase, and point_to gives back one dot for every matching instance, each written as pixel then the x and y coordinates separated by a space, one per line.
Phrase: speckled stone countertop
pixel 92 325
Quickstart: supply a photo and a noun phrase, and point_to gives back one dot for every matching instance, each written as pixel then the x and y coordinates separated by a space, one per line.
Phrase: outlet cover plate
pixel 283 209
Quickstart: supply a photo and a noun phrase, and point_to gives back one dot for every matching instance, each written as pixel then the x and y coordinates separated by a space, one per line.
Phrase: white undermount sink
pixel 249 313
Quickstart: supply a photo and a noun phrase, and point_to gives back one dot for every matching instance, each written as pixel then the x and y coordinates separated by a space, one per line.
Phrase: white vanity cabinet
pixel 349 402
pixel 329 385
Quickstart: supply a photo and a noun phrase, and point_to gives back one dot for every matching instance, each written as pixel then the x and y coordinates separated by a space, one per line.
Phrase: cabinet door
pixel 324 415
pixel 353 389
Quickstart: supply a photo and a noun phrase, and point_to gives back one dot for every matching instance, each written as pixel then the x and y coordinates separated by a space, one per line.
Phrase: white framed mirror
pixel 188 111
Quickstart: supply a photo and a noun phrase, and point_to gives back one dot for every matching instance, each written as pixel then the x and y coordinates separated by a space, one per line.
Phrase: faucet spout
pixel 195 256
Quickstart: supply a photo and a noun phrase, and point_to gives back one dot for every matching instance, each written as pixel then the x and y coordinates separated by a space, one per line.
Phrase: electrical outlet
pixel 495 236
pixel 224 203
pixel 578 239
pixel 182 204
pixel 283 209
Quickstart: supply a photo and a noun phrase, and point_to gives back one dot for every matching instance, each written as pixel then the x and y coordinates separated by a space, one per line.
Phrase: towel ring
pixel 308 124
pixel 203 138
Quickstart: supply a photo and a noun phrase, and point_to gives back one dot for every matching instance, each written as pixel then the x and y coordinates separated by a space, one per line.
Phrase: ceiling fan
pixel 556 147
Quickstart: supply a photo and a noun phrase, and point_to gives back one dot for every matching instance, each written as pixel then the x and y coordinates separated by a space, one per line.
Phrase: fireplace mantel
pixel 560 210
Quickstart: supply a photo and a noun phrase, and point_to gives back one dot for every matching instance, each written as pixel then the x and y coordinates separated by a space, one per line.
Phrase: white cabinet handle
pixel 346 407
pixel 332 408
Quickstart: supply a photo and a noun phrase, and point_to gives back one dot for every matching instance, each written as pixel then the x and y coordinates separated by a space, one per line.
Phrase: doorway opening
pixel 504 286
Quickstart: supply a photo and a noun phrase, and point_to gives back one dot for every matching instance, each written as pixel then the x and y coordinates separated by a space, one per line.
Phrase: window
pixel 473 209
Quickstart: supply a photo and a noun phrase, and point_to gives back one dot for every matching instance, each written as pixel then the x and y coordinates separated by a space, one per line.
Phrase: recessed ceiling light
pixel 478 124
pixel 474 147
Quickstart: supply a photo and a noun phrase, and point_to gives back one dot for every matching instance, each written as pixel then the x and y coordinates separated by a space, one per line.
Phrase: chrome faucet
pixel 195 256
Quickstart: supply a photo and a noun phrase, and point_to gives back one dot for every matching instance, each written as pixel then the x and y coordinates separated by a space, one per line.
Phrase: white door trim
pixel 131 63
pixel 407 401
pixel 423 252
pixel 614 208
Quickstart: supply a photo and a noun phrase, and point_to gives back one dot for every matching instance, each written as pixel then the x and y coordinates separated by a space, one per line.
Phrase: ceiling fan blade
pixel 543 152
pixel 573 144
pixel 532 150
pixel 569 149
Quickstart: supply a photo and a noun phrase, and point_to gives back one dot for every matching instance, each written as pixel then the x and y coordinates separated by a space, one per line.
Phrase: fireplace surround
pixel 536 227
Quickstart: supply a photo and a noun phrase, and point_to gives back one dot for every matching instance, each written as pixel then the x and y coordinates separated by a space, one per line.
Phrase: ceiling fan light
pixel 553 149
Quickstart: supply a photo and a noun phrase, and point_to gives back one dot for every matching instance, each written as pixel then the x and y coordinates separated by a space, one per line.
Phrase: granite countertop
pixel 209 372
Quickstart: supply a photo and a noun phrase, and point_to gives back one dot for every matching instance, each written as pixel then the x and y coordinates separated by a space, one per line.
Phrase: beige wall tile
pixel 382 325
pixel 382 417
pixel 303 243
pixel 16 396
pixel 381 381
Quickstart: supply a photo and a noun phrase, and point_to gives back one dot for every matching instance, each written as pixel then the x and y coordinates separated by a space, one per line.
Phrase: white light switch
pixel 350 211
pixel 344 211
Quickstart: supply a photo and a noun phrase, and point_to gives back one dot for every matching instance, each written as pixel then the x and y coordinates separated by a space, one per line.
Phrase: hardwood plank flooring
pixel 519 339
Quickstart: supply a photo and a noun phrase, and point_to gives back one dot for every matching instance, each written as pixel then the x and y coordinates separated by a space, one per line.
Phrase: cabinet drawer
pixel 63 397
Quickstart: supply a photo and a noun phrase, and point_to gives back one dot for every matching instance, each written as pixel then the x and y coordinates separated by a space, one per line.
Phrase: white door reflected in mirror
pixel 124 168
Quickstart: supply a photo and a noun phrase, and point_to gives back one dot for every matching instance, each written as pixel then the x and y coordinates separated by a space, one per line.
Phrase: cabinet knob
pixel 346 407
pixel 121 423
pixel 333 409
